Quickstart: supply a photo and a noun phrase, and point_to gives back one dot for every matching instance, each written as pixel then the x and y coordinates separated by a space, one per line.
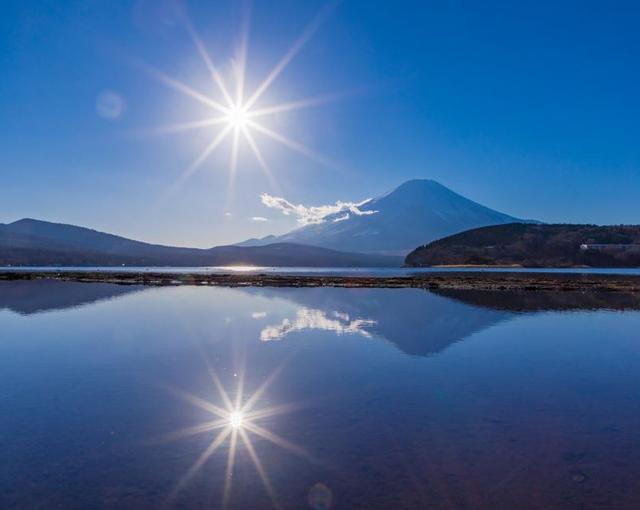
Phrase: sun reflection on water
pixel 237 421
pixel 241 269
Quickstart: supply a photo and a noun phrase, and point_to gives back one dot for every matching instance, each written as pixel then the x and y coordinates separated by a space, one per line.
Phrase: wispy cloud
pixel 308 215
pixel 259 218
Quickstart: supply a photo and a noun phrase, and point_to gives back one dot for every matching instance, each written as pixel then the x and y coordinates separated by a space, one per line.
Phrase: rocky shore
pixel 448 280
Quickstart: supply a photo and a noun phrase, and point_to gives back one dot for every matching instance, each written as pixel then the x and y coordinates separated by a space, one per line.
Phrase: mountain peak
pixel 416 185
pixel 25 221
pixel 412 185
pixel 419 182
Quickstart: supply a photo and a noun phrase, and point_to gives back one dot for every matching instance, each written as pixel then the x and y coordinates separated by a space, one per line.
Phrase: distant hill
pixel 259 241
pixel 533 245
pixel 414 213
pixel 31 242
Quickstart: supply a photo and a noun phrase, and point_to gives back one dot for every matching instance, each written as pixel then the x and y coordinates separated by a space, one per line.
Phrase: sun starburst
pixel 235 112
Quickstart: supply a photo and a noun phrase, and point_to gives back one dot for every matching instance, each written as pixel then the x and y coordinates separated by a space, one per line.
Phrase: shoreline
pixel 447 280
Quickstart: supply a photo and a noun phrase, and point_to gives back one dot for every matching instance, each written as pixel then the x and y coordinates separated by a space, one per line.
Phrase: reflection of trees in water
pixel 309 318
pixel 542 300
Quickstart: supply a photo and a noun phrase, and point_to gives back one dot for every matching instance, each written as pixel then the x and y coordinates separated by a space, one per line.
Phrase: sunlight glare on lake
pixel 235 420
pixel 241 269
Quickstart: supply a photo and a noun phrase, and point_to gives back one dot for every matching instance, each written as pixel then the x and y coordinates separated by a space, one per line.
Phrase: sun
pixel 240 117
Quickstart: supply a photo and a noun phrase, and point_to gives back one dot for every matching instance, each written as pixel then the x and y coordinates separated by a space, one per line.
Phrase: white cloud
pixel 308 215
pixel 228 214
pixel 258 315
pixel 259 218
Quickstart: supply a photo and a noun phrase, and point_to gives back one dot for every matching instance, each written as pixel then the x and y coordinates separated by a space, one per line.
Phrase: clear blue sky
pixel 530 108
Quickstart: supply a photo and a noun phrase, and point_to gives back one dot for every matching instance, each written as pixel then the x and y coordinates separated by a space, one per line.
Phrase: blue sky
pixel 531 109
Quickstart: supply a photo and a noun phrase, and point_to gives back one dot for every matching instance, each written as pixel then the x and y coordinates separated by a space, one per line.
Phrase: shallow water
pixel 328 271
pixel 365 398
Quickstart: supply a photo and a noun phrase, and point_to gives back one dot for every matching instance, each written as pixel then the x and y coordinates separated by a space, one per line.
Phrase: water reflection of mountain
pixel 36 296
pixel 416 321
pixel 423 322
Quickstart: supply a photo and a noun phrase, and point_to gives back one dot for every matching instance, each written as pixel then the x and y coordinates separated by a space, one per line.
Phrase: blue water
pixel 325 271
pixel 365 398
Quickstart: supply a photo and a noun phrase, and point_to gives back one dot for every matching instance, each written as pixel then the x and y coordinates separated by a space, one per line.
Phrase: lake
pixel 322 271
pixel 126 397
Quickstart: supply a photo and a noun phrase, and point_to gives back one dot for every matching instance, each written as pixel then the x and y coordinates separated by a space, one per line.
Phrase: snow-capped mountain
pixel 411 215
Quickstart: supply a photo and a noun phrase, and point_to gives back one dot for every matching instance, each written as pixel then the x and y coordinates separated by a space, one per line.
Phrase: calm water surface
pixel 327 271
pixel 361 398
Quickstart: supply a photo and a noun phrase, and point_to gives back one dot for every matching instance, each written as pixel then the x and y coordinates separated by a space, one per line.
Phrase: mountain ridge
pixel 30 242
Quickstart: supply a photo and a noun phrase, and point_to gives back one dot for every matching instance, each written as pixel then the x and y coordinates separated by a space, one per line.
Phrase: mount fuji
pixel 413 214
